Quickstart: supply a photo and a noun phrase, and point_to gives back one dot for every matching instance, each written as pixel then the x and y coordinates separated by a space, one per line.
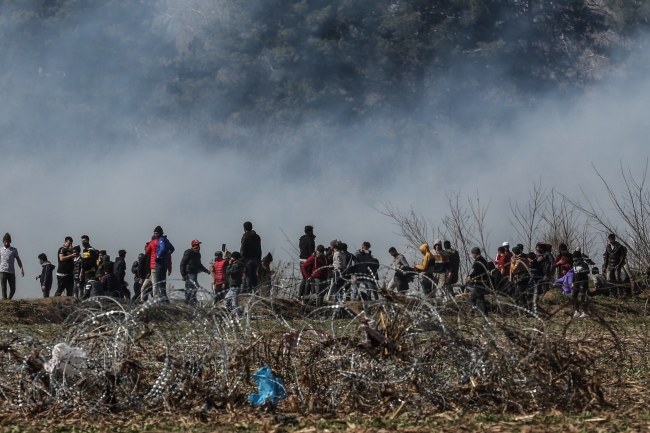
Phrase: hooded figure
pixel 426 268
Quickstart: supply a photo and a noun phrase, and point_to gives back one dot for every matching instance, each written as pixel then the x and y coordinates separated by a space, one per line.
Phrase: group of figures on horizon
pixel 331 272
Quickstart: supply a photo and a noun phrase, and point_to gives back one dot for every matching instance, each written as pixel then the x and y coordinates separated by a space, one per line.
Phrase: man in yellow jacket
pixel 426 269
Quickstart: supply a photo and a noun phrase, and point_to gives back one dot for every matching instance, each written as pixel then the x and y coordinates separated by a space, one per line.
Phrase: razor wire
pixel 377 355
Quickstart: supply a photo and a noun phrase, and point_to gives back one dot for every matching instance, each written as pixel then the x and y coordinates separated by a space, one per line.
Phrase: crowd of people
pixel 83 272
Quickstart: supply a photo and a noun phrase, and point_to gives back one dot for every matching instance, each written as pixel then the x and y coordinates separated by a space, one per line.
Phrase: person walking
pixel 615 258
pixel 160 252
pixel 45 278
pixel 478 281
pixel 9 255
pixel 65 269
pixel 454 263
pixel 190 267
pixel 306 246
pixel 426 269
pixel 399 263
pixel 251 252
pixel 235 272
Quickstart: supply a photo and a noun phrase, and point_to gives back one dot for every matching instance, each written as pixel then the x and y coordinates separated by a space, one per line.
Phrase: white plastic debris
pixel 66 359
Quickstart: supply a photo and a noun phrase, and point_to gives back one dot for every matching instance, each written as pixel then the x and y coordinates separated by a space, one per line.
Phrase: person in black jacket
pixel 307 246
pixel 78 290
pixel 119 268
pixel 478 280
pixel 93 287
pixel 144 274
pixel 235 271
pixel 65 269
pixel 615 257
pixel 110 283
pixel 580 285
pixel 190 267
pixel 251 252
pixel 137 285
pixel 46 275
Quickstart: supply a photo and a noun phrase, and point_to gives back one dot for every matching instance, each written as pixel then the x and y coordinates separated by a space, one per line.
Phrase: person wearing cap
pixel 235 272
pixel 220 280
pixel 160 262
pixel 190 267
pixel 306 246
pixel 580 286
pixel 478 281
pixel 314 270
pixel 8 255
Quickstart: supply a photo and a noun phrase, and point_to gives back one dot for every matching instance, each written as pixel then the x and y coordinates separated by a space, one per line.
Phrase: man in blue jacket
pixel 46 275
pixel 163 252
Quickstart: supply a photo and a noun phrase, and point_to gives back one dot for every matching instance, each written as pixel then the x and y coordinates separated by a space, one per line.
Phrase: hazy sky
pixel 117 192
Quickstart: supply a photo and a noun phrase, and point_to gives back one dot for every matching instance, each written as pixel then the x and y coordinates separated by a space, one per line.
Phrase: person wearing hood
pixel 190 267
pixel 266 276
pixel 45 277
pixel 426 269
pixel 235 272
pixel 306 246
pixel 251 252
pixel 478 280
pixel 9 255
pixel 159 250
pixel 314 270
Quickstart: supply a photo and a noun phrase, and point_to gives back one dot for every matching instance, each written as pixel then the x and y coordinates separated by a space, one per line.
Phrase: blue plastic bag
pixel 269 388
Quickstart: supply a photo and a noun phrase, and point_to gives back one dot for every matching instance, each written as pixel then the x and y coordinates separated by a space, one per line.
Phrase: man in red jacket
pixel 315 271
pixel 151 252
pixel 220 281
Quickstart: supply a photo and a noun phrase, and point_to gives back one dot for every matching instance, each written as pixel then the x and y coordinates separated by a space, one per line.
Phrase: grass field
pixel 609 352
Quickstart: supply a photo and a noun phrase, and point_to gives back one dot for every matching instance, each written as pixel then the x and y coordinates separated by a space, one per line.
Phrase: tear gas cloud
pixel 117 187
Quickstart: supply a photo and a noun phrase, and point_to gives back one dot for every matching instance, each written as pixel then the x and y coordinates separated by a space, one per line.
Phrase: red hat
pixel 196 242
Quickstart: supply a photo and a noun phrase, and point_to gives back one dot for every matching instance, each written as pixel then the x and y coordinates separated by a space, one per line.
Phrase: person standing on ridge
pixel 251 252
pixel 426 269
pixel 307 246
pixel 46 275
pixel 9 255
pixel 160 262
pixel 119 268
pixel 65 269
pixel 190 267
